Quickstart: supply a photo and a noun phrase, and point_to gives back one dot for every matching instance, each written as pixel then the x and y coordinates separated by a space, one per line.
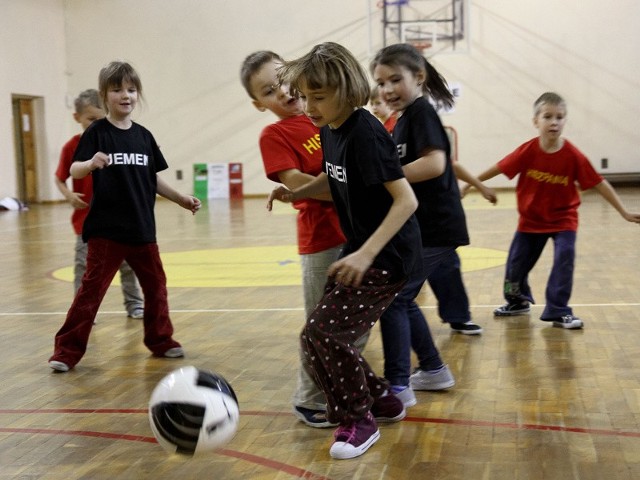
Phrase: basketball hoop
pixel 421 45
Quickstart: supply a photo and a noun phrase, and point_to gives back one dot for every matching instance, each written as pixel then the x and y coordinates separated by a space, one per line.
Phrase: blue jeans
pixel 524 252
pixel 403 325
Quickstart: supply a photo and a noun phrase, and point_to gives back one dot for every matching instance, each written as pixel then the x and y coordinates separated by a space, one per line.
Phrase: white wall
pixel 33 63
pixel 188 53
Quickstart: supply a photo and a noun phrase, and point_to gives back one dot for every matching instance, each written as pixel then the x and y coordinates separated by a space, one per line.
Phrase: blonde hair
pixel 87 98
pixel 329 65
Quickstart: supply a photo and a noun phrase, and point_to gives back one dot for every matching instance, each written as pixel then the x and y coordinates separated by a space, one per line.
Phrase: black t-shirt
pixel 440 213
pixel 359 157
pixel 124 193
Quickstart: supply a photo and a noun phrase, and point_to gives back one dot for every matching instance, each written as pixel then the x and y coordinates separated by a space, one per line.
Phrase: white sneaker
pixel 439 379
pixel 406 395
pixel 59 366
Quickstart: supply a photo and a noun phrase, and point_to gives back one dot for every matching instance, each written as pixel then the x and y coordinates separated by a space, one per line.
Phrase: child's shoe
pixel 354 439
pixel 511 309
pixel 432 380
pixel 388 408
pixel 570 322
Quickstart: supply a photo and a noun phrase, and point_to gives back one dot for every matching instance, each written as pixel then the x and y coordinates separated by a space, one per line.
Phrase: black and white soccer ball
pixel 192 411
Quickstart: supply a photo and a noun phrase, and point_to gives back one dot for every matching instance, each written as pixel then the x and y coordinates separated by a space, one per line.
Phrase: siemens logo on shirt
pixel 128 159
pixel 337 172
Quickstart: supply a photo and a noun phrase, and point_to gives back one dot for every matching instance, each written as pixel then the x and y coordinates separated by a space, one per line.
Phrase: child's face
pixel 269 96
pixel 398 86
pixel 323 106
pixel 380 109
pixel 121 100
pixel 550 121
pixel 88 115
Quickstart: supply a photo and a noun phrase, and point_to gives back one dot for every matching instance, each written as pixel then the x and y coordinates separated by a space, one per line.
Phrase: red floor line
pixel 247 457
pixel 474 423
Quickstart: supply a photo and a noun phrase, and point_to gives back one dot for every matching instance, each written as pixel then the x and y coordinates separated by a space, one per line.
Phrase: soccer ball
pixel 193 411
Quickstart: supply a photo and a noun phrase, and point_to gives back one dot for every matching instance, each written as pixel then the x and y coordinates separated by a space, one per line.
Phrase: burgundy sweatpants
pixel 103 260
pixel 343 315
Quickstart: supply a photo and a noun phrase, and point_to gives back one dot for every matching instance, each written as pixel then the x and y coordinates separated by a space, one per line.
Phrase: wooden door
pixel 25 149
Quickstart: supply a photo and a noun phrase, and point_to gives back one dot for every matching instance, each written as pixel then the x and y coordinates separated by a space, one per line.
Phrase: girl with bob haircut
pixel 375 205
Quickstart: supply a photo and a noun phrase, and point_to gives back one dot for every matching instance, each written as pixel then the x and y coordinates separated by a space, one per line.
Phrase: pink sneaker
pixel 388 408
pixel 354 439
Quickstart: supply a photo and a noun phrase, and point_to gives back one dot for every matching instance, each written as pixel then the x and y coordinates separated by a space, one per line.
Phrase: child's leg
pixel 130 289
pixel 448 288
pixel 103 260
pixel 560 283
pixel 158 330
pixel 79 263
pixel 343 315
pixel 314 280
pixel 524 252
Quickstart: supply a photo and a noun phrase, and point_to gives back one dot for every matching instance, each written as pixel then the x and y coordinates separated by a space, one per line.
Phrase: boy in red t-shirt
pixel 292 155
pixel 549 168
pixel 87 109
pixel 382 111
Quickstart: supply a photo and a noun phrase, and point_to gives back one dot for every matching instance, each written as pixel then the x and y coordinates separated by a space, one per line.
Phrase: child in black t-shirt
pixel 375 205
pixel 123 159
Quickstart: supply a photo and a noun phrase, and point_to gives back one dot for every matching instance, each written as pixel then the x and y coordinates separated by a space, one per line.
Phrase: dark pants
pixel 343 315
pixel 524 252
pixel 103 261
pixel 403 325
pixel 447 286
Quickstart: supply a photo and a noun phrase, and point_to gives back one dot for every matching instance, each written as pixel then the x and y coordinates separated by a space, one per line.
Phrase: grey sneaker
pixel 175 352
pixel 439 379
pixel 405 394
pixel 511 309
pixel 136 313
pixel 570 322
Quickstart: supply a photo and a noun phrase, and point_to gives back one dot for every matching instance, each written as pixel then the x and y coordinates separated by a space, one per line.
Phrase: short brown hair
pixel 254 62
pixel 114 75
pixel 329 65
pixel 549 98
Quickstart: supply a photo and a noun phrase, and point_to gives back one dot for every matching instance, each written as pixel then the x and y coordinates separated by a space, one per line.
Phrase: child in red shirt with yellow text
pixel 549 167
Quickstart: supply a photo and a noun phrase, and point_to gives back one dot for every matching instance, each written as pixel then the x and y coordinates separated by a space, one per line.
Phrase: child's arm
pixel 490 172
pixel 430 165
pixel 185 201
pixel 605 189
pixel 317 186
pixel 74 198
pixel 82 169
pixel 351 269
pixel 466 176
pixel 294 178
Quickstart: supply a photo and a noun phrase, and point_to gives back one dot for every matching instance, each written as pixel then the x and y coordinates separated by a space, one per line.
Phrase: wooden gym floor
pixel 531 401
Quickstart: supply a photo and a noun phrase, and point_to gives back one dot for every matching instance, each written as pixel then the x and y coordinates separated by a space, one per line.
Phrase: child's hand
pixel 191 203
pixel 350 270
pixel 464 190
pixel 631 217
pixel 489 194
pixel 99 161
pixel 76 201
pixel 281 193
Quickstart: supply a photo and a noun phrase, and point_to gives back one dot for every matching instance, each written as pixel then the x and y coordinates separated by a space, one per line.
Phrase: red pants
pixel 103 260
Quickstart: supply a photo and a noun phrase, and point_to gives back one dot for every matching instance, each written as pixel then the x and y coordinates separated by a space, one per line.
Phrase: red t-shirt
pixel 390 122
pixel 294 143
pixel 547 192
pixel 82 185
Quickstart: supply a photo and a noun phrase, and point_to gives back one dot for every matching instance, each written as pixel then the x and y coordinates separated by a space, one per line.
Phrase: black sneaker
pixel 570 322
pixel 511 309
pixel 468 328
pixel 313 418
